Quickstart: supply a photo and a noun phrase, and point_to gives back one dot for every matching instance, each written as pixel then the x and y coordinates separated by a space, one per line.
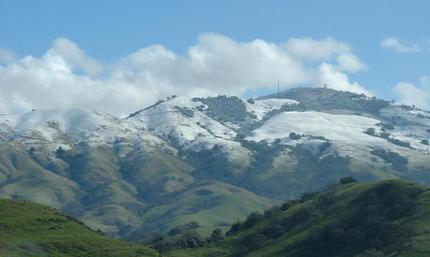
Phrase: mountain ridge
pixel 116 174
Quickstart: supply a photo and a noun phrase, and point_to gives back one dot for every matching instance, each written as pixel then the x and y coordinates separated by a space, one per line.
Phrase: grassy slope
pixel 388 218
pixel 23 178
pixel 219 205
pixel 152 191
pixel 30 230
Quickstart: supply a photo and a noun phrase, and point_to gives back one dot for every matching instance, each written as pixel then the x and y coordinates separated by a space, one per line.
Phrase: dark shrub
pixel 217 235
pixel 251 101
pixel 60 153
pixel 185 111
pixel 235 228
pixel 308 196
pixel 397 161
pixel 387 126
pixel 347 180
pixel 174 231
pixel 294 136
pixel 285 206
pixel 385 135
pixel 225 108
pixel 370 131
pixel 324 146
pixel 400 142
pixel 275 210
pixel 252 219
pixel 32 150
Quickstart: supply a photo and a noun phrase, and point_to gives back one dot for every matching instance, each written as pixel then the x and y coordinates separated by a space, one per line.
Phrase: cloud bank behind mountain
pixel 65 76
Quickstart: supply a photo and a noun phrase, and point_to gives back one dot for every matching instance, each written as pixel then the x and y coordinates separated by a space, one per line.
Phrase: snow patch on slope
pixel 405 114
pixel 345 128
pixel 167 121
pixel 264 106
pixel 194 130
pixel 51 125
pixel 345 131
pixel 55 128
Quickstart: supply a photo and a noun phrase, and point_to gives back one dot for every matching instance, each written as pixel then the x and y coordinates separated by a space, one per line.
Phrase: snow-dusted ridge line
pixel 194 130
pixel 65 128
pixel 186 123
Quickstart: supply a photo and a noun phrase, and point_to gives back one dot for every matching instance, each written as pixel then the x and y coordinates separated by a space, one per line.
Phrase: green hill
pixel 387 218
pixel 30 230
pixel 133 198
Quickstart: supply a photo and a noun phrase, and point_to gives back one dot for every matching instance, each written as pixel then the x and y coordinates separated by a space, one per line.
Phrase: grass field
pixel 31 230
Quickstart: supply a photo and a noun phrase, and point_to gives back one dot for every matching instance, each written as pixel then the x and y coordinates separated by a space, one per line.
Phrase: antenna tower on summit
pixel 278 90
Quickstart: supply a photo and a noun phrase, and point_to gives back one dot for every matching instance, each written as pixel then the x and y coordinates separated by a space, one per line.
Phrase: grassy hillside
pixel 30 230
pixel 21 177
pixel 131 197
pixel 386 218
pixel 205 206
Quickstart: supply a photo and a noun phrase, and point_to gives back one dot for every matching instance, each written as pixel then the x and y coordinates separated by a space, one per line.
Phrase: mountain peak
pixel 320 91
pixel 317 98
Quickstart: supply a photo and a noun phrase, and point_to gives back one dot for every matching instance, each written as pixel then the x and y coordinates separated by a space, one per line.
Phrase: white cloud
pixel 401 46
pixel 66 77
pixel 350 63
pixel 336 79
pixel 74 56
pixel 411 94
pixel 312 49
pixel 6 56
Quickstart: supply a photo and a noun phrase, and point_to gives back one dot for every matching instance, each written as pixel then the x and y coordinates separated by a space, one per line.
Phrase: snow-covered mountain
pixel 120 174
pixel 201 123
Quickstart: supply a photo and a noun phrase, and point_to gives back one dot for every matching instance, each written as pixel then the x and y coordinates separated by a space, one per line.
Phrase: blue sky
pixel 110 30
